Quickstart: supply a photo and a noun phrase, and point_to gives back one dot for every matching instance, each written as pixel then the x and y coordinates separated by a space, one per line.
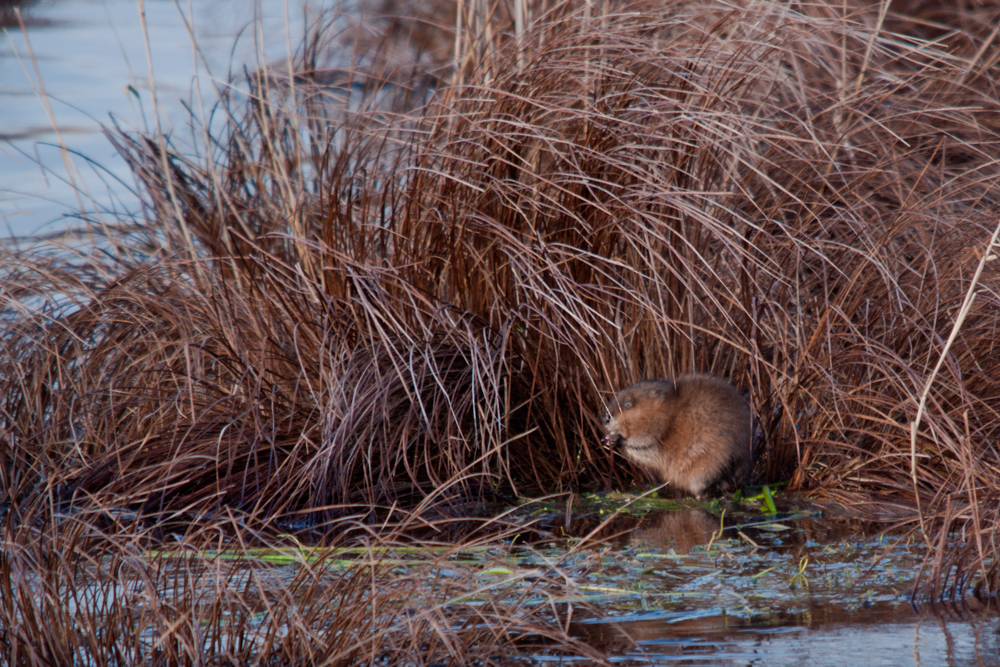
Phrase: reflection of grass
pixel 360 317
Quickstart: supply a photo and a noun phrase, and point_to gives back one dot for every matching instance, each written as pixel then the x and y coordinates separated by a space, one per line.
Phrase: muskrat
pixel 694 431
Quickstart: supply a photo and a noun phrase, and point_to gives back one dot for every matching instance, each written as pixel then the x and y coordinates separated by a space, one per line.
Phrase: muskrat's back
pixel 693 431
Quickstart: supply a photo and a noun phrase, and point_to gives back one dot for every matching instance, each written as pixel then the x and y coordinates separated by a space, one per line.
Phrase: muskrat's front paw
pixel 611 440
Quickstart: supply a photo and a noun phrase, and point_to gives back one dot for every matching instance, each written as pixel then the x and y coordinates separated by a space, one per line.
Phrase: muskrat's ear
pixel 665 389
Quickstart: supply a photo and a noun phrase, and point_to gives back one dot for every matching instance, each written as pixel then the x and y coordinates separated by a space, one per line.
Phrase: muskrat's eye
pixel 627 406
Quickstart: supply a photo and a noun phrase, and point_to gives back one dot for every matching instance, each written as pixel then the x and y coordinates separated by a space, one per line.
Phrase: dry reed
pixel 117 603
pixel 351 310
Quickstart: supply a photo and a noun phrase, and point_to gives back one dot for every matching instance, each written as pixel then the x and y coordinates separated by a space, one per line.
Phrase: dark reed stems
pixel 423 282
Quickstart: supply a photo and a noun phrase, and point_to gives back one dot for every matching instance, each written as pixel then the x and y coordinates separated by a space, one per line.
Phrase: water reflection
pixel 801 589
pixel 678 531
pixel 822 635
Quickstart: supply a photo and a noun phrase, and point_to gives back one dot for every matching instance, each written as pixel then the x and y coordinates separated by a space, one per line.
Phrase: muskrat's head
pixel 636 414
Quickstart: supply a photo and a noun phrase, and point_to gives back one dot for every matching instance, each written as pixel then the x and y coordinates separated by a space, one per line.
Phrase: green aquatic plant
pixel 769 500
pixel 800 576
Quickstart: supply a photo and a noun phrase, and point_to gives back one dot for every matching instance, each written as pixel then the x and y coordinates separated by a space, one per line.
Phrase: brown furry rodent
pixel 693 431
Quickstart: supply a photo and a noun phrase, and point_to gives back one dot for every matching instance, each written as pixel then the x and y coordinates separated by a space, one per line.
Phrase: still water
pixel 690 587
pixel 90 59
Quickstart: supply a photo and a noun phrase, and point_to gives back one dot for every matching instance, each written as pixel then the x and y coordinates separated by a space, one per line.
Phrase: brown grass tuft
pixel 348 309
pixel 73 594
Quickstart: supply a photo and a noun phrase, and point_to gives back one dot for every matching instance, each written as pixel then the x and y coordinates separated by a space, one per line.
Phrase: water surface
pixel 695 587
pixel 89 57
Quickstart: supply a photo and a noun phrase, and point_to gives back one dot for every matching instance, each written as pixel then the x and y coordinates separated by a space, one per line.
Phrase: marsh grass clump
pixel 117 602
pixel 339 310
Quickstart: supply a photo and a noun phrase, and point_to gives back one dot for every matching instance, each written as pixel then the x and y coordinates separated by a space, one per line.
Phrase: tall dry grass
pixel 345 311
pixel 117 603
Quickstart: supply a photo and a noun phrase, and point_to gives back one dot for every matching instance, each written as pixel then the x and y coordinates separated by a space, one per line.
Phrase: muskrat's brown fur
pixel 693 431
